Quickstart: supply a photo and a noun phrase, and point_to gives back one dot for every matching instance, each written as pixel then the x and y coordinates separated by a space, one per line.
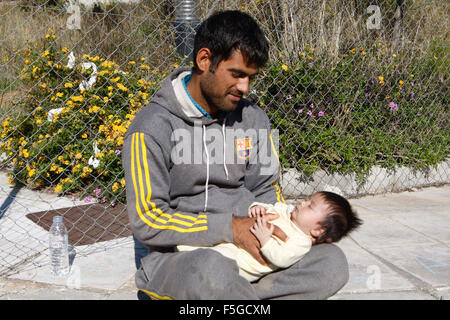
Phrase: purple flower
pixel 310 114
pixel 103 200
pixel 117 152
pixel 87 199
pixel 97 192
pixel 312 106
pixel 321 113
pixel 74 199
pixel 310 64
pixel 393 106
pixel 441 80
pixel 315 83
pixel 288 97
pixel 299 111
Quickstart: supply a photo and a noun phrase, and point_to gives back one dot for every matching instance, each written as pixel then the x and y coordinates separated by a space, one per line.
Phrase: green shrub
pixel 78 148
pixel 370 108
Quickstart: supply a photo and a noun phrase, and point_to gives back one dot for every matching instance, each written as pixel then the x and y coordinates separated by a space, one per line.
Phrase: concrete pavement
pixel 400 252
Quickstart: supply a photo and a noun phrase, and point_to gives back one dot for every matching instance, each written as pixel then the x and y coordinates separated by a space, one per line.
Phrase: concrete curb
pixel 380 180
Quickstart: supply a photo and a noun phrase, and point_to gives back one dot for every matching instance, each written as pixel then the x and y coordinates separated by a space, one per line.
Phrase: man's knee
pixel 211 270
pixel 334 267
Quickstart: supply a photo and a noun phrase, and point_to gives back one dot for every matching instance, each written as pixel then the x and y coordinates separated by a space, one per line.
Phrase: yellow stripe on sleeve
pixel 138 138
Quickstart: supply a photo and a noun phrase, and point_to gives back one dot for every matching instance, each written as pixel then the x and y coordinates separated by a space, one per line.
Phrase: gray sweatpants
pixel 206 274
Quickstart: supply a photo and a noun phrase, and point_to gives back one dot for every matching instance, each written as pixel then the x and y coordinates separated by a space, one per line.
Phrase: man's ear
pixel 203 59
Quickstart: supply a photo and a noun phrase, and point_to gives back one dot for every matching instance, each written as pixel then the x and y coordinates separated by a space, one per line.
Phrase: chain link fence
pixel 357 90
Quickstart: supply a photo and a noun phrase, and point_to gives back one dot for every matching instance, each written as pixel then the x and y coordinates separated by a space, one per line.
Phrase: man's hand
pixel 243 237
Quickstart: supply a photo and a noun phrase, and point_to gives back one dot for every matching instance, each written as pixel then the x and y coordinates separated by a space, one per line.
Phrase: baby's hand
pixel 262 230
pixel 256 211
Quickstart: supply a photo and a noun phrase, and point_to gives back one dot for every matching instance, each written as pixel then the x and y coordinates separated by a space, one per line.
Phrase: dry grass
pixel 125 32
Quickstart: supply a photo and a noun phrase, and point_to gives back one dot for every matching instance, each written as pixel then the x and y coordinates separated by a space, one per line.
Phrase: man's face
pixel 308 214
pixel 224 87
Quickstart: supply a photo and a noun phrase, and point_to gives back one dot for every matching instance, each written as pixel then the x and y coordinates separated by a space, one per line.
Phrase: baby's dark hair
pixel 341 219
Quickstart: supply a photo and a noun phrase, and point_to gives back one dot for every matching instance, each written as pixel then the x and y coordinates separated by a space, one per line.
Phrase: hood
pixel 176 100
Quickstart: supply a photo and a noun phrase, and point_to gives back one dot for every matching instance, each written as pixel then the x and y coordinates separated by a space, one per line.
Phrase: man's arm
pixel 146 161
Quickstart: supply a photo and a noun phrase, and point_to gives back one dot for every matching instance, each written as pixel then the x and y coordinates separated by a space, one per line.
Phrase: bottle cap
pixel 57 219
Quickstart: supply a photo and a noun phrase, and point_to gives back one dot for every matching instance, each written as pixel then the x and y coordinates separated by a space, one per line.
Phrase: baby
pixel 323 217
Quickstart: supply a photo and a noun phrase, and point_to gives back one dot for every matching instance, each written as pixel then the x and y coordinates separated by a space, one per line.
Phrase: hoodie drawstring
pixel 224 148
pixel 207 160
pixel 207 168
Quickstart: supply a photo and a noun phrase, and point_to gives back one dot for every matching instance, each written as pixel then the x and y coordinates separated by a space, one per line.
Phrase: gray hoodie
pixel 187 174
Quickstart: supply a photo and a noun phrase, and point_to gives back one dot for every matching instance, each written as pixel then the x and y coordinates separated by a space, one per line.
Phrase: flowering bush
pixel 367 108
pixel 70 133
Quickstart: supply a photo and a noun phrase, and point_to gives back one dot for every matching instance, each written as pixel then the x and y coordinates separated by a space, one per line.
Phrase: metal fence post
pixel 185 23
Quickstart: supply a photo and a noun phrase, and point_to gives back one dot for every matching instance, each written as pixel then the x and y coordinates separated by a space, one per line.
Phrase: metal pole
pixel 186 22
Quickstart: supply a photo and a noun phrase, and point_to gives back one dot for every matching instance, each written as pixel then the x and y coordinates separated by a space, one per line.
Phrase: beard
pixel 217 100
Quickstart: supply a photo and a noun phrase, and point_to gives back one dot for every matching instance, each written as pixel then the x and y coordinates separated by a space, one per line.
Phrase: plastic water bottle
pixel 59 251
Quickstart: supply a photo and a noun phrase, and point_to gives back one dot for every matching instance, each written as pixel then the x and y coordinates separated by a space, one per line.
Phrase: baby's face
pixel 308 214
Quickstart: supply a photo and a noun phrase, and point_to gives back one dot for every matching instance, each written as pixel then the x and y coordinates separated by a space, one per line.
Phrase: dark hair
pixel 226 31
pixel 341 219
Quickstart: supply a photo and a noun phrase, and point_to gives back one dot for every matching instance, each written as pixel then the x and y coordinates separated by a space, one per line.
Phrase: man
pixel 195 158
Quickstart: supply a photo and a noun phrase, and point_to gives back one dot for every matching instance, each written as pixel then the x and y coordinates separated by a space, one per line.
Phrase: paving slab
pixel 367 273
pixel 378 231
pixel 429 264
pixel 389 295
pixel 107 270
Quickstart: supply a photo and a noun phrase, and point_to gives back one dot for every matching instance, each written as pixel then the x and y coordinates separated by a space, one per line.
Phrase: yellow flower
pixel 122 182
pixel 115 187
pixel 353 50
pixel 411 75
pixel 25 153
pixel 121 86
pixel 94 109
pixel 58 188
pixel 65 50
pixel 401 82
pixel 31 173
pixel 68 85
pixel 84 135
pixel 39 121
pixel 78 155
pixel 284 67
pixel 77 98
pixel 381 78
pixel 45 54
pixel 59 94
